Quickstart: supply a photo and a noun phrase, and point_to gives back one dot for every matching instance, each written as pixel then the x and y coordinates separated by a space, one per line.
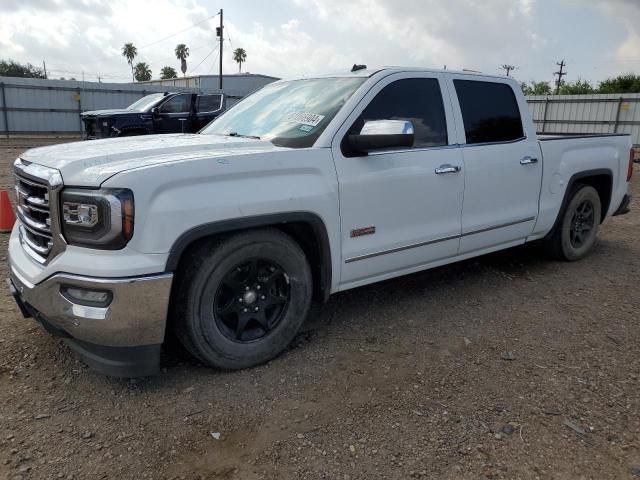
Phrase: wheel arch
pixel 601 179
pixel 306 228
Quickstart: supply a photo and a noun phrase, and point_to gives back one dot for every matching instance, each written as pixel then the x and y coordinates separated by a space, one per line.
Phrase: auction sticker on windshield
pixel 303 118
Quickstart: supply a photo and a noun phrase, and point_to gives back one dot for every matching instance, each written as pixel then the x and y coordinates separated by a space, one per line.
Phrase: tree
pixel 579 87
pixel 182 52
pixel 239 56
pixel 536 88
pixel 130 52
pixel 142 72
pixel 9 68
pixel 629 83
pixel 168 72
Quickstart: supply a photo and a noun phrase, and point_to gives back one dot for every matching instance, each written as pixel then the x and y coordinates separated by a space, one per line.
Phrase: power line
pixel 213 66
pixel 178 33
pixel 208 55
pixel 166 59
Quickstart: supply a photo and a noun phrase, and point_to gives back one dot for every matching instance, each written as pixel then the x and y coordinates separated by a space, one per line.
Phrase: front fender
pixel 180 201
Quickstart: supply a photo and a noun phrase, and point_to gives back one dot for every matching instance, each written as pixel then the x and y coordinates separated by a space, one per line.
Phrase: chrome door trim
pixel 400 249
pixel 437 240
pixel 495 227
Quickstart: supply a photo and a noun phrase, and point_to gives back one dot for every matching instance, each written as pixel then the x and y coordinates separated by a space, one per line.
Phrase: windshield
pixel 147 102
pixel 288 114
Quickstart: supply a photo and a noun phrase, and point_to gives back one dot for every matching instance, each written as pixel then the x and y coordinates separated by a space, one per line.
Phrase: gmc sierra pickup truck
pixel 307 187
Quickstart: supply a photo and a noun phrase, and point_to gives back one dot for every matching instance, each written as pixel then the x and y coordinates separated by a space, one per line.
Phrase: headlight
pixel 97 218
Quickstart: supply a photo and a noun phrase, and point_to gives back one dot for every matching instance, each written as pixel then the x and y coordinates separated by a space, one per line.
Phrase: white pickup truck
pixel 307 187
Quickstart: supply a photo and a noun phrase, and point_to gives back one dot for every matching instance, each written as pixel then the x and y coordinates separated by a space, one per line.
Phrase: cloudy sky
pixel 597 38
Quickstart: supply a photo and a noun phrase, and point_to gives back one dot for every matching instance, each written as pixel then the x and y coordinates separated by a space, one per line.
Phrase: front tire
pixel 576 234
pixel 242 299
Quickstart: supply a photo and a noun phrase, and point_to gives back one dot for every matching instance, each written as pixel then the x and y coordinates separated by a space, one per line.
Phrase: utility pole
pixel 561 73
pixel 507 68
pixel 221 34
pixel 44 67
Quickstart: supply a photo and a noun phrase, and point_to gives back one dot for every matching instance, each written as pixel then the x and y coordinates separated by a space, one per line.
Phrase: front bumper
pixel 121 339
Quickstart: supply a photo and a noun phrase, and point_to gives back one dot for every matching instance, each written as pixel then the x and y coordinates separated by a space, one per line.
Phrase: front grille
pixel 34 213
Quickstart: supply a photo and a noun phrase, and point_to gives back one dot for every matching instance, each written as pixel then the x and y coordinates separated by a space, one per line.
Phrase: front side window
pixel 489 111
pixel 208 103
pixel 177 104
pixel 418 100
pixel 288 114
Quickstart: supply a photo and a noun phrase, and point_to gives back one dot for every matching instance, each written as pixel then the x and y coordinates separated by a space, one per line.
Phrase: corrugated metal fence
pixel 29 105
pixel 566 114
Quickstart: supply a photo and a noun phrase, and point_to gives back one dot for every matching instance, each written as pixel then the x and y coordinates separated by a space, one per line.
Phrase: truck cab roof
pixel 388 70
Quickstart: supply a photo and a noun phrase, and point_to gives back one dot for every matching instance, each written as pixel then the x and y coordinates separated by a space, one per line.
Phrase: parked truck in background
pixel 156 113
pixel 307 187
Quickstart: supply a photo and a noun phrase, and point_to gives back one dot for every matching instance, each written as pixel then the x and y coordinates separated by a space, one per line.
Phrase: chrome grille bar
pixel 37 188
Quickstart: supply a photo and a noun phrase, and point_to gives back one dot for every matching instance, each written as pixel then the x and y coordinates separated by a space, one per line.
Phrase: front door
pixel 503 166
pixel 400 209
pixel 174 115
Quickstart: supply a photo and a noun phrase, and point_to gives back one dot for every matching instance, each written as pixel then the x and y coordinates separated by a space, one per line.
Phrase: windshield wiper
pixel 236 134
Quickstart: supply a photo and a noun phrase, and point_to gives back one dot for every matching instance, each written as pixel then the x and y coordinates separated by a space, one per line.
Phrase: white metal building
pixel 234 85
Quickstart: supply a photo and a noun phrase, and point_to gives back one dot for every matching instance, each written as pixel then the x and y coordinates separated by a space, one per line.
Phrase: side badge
pixel 359 232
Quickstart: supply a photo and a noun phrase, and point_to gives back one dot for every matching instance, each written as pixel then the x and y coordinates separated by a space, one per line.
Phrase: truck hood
pixel 108 113
pixel 88 164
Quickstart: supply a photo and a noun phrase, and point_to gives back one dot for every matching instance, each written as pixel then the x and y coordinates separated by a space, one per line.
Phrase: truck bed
pixel 567 157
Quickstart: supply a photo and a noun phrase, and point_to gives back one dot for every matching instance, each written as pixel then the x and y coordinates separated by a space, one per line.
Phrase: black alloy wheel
pixel 582 224
pixel 240 299
pixel 251 300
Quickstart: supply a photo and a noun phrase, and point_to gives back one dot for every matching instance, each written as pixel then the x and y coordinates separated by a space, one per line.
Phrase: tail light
pixel 632 155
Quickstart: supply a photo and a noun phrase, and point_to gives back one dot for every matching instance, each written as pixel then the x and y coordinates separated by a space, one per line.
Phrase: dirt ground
pixel 507 366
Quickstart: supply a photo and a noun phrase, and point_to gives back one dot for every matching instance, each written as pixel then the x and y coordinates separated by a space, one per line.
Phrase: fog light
pixel 89 298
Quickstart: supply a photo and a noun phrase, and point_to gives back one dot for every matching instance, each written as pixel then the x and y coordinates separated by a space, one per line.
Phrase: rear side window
pixel 489 110
pixel 208 103
pixel 418 100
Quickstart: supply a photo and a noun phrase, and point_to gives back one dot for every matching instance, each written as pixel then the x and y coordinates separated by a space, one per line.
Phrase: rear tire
pixel 577 230
pixel 242 299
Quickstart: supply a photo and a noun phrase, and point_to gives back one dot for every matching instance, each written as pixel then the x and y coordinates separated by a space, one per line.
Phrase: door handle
pixel 528 160
pixel 448 168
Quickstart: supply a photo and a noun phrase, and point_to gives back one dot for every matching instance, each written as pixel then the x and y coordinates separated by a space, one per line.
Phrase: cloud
pixel 432 32
pixel 286 50
pixel 294 37
pixel 627 13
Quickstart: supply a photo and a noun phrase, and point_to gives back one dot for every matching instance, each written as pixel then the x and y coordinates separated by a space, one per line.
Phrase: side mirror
pixel 154 111
pixel 382 134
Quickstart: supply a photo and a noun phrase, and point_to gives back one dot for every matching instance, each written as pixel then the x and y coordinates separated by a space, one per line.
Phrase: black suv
pixel 155 113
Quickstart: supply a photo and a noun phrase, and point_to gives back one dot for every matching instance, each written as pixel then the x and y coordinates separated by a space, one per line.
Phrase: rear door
pixel 174 115
pixel 503 167
pixel 208 107
pixel 397 213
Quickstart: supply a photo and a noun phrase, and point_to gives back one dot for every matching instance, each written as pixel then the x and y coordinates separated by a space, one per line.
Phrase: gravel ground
pixel 507 366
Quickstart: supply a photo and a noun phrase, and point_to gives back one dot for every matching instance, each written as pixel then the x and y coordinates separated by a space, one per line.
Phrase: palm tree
pixel 168 72
pixel 130 52
pixel 182 52
pixel 142 72
pixel 239 56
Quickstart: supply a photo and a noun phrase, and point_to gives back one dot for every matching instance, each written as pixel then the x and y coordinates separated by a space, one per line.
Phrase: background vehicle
pixel 305 188
pixel 155 113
